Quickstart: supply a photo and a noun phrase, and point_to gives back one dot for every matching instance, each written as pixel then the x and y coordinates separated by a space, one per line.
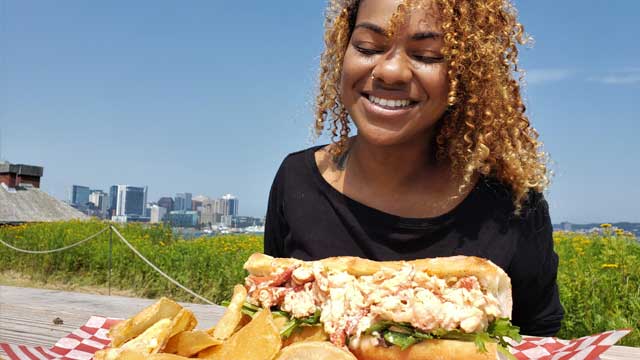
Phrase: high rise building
pixel 166 202
pixel 79 195
pixel 157 214
pixel 182 202
pixel 198 201
pixel 113 200
pixel 208 213
pixel 100 200
pixel 229 205
pixel 131 200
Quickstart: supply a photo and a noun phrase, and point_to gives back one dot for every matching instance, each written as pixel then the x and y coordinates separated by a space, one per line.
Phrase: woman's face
pixel 407 93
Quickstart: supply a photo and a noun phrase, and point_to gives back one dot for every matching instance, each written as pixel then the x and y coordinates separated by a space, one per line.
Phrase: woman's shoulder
pixel 298 164
pixel 501 196
pixel 300 157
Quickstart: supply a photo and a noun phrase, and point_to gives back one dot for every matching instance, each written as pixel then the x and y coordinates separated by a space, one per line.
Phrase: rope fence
pixel 113 229
pixel 54 250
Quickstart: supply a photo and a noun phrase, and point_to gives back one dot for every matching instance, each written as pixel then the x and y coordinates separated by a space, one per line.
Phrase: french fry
pixel 258 340
pixel 232 316
pixel 137 324
pixel 188 343
pixel 314 350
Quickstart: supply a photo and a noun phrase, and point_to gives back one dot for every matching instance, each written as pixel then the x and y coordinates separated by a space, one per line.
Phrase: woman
pixel 444 161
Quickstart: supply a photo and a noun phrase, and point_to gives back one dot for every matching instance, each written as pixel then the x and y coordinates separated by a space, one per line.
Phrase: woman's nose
pixel 392 69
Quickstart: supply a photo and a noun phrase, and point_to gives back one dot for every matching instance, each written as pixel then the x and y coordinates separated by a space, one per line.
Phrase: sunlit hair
pixel 485 129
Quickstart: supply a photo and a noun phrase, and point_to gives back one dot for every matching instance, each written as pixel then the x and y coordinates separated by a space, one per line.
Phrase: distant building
pixel 129 218
pixel 228 205
pixel 182 202
pixel 196 205
pixel 131 201
pixel 79 195
pixel 166 202
pixel 113 200
pixel 183 218
pixel 22 201
pixel 208 214
pixel 13 175
pixel 157 214
pixel 566 226
pixel 100 201
pixel 245 221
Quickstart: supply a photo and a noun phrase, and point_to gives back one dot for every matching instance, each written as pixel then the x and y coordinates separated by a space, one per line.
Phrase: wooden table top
pixel 26 316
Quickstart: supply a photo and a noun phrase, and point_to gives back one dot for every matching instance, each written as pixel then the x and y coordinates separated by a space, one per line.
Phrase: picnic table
pixel 27 316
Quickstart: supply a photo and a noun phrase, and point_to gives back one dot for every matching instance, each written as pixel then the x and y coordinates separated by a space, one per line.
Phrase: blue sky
pixel 208 97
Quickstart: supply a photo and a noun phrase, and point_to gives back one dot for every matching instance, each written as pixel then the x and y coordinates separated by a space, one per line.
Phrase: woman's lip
pixel 388 96
pixel 384 110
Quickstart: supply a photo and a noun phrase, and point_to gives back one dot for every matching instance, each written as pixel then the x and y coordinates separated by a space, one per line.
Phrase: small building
pixel 182 218
pixel 22 201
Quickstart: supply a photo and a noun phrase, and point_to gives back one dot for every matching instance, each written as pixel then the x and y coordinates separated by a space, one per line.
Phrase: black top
pixel 309 219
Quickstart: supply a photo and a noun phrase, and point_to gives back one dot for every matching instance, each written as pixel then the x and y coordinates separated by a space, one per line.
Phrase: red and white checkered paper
pixel 82 343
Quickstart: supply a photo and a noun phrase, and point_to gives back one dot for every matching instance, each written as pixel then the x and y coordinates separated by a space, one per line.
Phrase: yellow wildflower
pixel 605 226
pixel 609 266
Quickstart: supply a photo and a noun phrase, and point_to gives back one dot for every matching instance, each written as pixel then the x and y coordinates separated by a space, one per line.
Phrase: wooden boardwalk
pixel 27 316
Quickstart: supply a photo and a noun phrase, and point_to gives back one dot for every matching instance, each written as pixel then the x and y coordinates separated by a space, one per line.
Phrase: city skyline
pixel 210 96
pixel 90 190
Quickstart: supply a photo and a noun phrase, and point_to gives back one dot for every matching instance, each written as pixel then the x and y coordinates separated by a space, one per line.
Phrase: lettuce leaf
pixel 497 331
pixel 400 339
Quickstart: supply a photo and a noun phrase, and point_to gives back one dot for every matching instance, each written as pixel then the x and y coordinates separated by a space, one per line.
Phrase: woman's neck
pixel 392 167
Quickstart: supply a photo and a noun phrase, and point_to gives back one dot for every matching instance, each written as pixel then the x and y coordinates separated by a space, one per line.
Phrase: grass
pixel 599 274
pixel 208 266
pixel 599 280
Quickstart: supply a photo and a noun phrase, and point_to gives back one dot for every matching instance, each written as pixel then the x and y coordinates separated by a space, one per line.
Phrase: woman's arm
pixel 275 228
pixel 533 270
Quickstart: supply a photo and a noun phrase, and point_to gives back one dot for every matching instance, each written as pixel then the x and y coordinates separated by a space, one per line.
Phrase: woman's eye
pixel 429 59
pixel 367 51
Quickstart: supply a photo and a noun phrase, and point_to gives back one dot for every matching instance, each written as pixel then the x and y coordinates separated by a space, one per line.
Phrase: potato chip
pixel 137 324
pixel 306 333
pixel 118 354
pixel 188 343
pixel 314 350
pixel 258 340
pixel 163 356
pixel 280 321
pixel 151 340
pixel 232 316
pixel 183 321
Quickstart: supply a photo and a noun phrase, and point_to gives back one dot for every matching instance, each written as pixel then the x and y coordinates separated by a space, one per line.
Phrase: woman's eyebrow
pixel 373 27
pixel 417 36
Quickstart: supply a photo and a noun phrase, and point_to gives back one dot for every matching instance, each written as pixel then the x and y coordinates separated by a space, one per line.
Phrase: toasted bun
pixel 490 276
pixel 367 349
pixel 314 350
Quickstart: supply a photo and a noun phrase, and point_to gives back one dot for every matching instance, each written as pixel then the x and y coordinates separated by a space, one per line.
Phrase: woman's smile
pixel 387 106
pixel 394 87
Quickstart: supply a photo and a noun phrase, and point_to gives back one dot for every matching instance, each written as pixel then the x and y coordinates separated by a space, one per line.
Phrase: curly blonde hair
pixel 485 130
